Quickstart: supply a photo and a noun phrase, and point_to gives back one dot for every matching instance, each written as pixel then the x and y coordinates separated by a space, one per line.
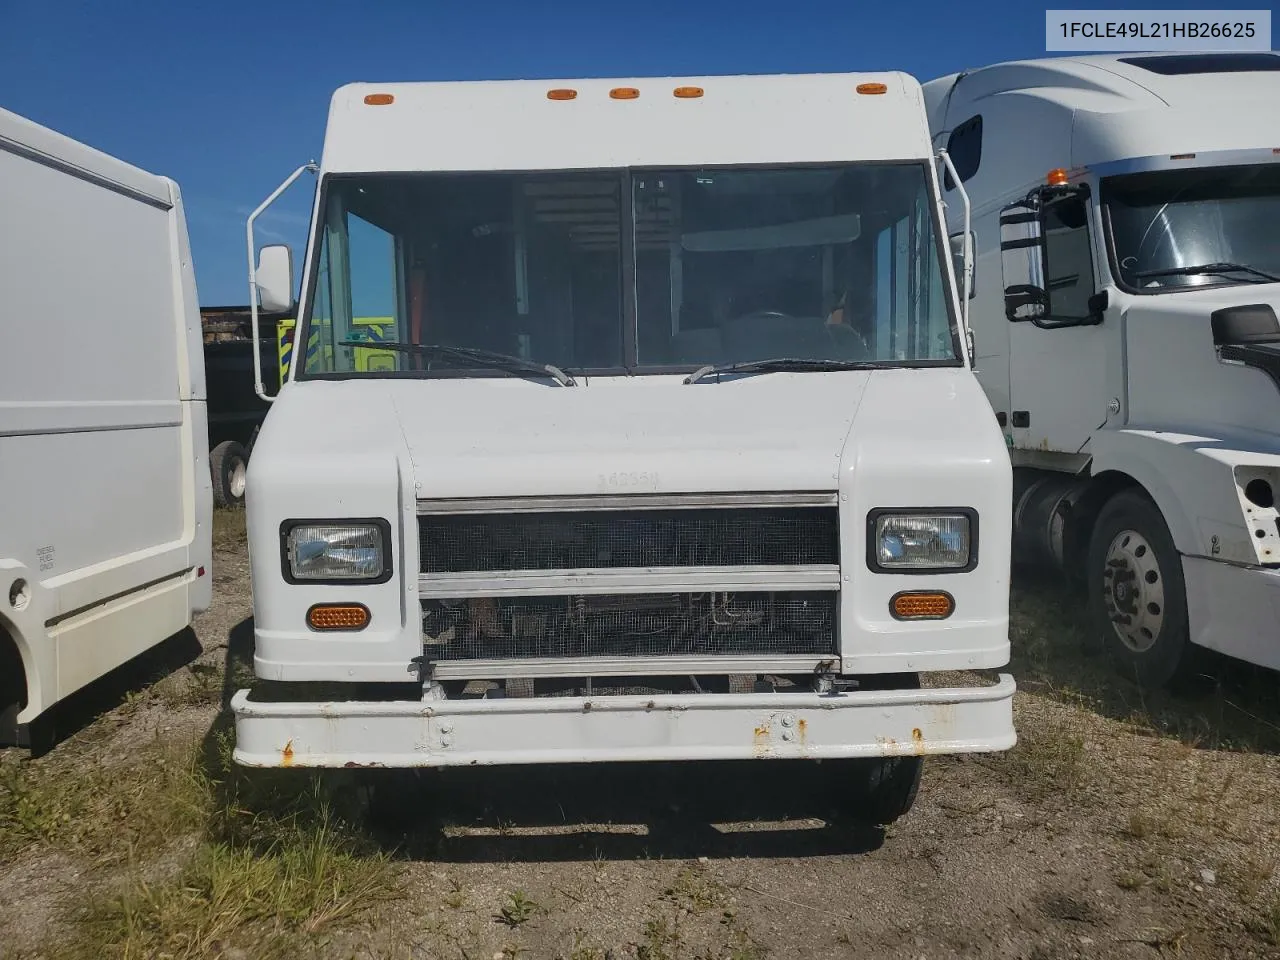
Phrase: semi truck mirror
pixel 274 278
pixel 1022 260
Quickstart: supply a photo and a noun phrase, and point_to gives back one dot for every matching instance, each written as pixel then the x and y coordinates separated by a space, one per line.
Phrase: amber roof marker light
pixel 562 93
pixel 1056 178
pixel 871 88
pixel 379 99
pixel 687 93
pixel 624 93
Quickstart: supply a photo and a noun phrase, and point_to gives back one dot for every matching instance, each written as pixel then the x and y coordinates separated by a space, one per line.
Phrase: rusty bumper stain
pixel 286 755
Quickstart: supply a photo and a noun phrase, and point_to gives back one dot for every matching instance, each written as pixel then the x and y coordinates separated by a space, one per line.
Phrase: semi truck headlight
pixel 357 551
pixel 934 541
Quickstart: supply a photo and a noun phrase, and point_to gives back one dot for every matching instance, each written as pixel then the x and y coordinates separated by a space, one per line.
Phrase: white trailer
pixel 1125 298
pixel 677 454
pixel 104 477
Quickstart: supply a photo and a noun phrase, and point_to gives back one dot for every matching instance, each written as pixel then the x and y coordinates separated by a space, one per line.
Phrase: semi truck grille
pixel 630 625
pixel 466 543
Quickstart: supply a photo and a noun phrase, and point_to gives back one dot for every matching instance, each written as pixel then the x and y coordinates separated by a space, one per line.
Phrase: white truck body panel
pixel 1143 394
pixel 403 448
pixel 106 511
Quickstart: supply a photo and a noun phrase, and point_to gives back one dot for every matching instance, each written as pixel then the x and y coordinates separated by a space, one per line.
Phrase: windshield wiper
pixel 777 364
pixel 483 358
pixel 1201 268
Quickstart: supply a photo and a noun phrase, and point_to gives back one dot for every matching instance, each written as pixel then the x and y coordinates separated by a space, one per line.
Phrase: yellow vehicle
pixel 367 360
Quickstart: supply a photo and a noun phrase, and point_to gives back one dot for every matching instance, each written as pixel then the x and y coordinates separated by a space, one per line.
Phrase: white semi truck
pixel 679 457
pixel 1125 214
pixel 105 500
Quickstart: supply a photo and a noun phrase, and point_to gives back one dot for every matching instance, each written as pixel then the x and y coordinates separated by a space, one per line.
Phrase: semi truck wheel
pixel 1137 597
pixel 228 462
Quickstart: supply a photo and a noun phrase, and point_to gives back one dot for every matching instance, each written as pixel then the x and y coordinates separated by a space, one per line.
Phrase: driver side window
pixel 1069 255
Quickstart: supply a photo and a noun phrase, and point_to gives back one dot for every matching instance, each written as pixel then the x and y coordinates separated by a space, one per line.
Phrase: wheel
pixel 887 788
pixel 228 463
pixel 1137 597
pixel 883 789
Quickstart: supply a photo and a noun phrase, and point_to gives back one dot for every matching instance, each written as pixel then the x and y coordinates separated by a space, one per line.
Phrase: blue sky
pixel 227 98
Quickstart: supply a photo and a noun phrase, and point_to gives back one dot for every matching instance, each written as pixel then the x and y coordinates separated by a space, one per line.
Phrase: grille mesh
pixel 632 625
pixel 470 543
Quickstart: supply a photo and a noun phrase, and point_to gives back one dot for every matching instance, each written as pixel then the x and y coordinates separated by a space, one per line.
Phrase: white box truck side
pixel 1125 312
pixel 638 426
pixel 105 504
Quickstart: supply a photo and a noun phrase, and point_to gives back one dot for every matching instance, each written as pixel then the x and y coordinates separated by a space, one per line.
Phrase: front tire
pixel 1137 595
pixel 883 789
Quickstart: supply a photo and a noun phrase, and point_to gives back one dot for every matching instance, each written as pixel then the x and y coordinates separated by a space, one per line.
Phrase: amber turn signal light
pixel 922 605
pixel 338 616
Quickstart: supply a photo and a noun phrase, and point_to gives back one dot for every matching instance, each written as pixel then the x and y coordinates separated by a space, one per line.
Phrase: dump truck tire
pixel 228 463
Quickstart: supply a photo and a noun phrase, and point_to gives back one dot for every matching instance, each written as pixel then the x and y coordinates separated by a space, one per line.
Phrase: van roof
pixel 26 138
pixel 514 125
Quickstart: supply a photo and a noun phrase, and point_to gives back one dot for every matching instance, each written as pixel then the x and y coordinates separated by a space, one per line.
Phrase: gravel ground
pixel 1119 827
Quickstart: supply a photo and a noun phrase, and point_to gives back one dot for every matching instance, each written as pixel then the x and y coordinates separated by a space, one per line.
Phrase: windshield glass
pixel 640 271
pixel 1176 220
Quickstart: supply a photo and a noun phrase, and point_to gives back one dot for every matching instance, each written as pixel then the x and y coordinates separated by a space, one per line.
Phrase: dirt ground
pixel 1118 827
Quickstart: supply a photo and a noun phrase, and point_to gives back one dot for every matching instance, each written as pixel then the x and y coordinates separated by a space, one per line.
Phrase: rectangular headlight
pixel 357 551
pixel 919 541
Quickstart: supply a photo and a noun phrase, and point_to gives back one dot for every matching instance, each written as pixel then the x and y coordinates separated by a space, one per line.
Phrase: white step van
pixel 105 503
pixel 636 422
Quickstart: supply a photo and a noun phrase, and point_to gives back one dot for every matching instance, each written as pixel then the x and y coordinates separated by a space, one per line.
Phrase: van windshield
pixel 1175 229
pixel 641 271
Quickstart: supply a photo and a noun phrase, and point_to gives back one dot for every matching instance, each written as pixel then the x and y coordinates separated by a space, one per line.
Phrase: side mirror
pixel 274 278
pixel 1057 294
pixel 1022 257
pixel 963 247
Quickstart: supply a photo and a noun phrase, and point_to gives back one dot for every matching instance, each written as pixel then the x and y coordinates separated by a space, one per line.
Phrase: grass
pixel 306 882
pixel 267 861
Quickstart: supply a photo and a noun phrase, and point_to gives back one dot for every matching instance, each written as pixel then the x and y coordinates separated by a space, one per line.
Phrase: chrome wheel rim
pixel 1133 591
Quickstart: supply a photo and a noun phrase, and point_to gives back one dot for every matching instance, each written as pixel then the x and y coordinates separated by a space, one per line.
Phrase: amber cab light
pixel 687 93
pixel 871 88
pixel 379 99
pixel 922 605
pixel 624 93
pixel 562 93
pixel 338 616
pixel 1056 178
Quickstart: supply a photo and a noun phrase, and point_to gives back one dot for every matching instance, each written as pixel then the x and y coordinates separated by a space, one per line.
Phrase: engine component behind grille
pixel 734 536
pixel 632 625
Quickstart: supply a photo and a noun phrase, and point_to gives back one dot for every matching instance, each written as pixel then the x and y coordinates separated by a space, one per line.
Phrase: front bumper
pixel 437 733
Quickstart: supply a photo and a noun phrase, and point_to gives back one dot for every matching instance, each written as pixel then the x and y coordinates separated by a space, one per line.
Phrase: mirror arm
pixel 258 385
pixel 968 216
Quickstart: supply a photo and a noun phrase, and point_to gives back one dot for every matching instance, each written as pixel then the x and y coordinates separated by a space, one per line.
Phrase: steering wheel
pixel 765 315
pixel 847 341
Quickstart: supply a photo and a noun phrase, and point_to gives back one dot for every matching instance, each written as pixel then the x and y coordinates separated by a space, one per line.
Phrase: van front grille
pixel 630 625
pixel 734 536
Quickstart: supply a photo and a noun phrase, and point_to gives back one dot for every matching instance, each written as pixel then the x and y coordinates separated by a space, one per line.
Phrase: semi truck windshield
pixel 640 271
pixel 1192 228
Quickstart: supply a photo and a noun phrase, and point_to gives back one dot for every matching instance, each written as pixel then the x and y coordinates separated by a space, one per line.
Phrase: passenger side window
pixel 964 146
pixel 1069 258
